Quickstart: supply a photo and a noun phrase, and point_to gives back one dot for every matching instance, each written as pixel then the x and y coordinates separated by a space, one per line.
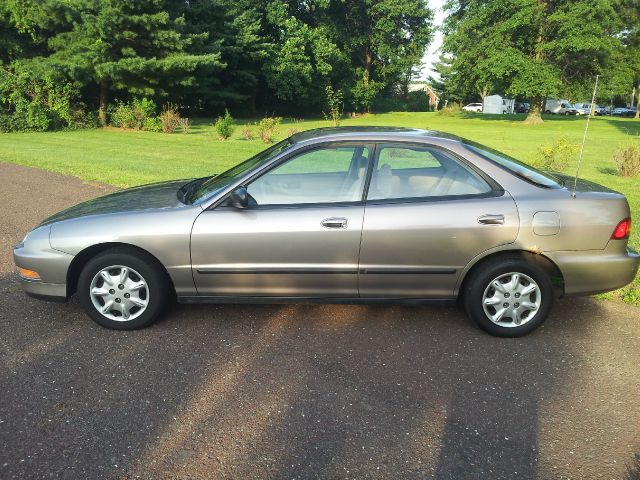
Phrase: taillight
pixel 623 230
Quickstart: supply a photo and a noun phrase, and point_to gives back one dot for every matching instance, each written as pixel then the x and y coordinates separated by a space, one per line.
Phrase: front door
pixel 300 235
pixel 427 216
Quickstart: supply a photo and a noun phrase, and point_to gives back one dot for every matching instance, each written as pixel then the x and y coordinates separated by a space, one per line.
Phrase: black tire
pixel 481 278
pixel 142 264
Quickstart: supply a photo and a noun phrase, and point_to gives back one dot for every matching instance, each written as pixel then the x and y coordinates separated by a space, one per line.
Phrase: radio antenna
pixel 584 138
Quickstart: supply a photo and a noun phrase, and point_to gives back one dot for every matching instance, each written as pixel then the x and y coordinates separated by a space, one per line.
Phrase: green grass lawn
pixel 127 158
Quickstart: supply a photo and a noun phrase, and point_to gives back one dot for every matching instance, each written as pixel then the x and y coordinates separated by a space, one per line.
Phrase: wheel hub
pixel 119 293
pixel 499 308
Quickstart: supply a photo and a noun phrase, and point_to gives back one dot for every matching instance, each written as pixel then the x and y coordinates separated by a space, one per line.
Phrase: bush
pixel 184 125
pixel 133 115
pixel 152 124
pixel 267 128
pixel 169 118
pixel 414 102
pixel 627 161
pixel 292 131
pixel 417 102
pixel 247 132
pixel 122 115
pixel 557 155
pixel 335 105
pixel 33 98
pixel 224 125
pixel 450 110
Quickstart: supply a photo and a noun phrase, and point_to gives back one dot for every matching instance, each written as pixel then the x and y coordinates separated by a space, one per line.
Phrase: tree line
pixel 533 49
pixel 61 59
pixel 65 62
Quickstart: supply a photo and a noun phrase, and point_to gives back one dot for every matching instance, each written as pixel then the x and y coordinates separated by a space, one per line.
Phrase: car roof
pixel 370 133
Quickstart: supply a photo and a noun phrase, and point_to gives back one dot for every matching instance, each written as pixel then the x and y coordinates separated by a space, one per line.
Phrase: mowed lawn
pixel 127 158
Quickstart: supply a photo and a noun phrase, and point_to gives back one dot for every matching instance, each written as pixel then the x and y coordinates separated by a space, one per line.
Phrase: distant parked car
pixel 473 107
pixel 522 107
pixel 603 110
pixel 344 215
pixel 582 108
pixel 559 107
pixel 624 112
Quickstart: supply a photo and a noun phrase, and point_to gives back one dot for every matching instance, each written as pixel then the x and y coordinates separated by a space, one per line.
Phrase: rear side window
pixel 408 171
pixel 516 167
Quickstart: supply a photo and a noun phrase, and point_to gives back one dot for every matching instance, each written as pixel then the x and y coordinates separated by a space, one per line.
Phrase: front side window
pixel 206 187
pixel 332 174
pixel 406 171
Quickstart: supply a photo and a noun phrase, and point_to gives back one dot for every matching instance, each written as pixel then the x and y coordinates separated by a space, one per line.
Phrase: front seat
pixel 384 182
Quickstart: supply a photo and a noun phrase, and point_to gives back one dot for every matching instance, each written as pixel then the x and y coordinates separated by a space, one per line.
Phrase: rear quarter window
pixel 516 167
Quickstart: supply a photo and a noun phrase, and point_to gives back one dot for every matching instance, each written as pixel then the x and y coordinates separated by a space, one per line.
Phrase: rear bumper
pixel 595 271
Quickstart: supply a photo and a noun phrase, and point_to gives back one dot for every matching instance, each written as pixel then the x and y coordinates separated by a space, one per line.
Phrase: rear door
pixel 427 215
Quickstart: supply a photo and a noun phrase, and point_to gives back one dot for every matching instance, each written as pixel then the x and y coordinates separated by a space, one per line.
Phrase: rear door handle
pixel 491 219
pixel 334 222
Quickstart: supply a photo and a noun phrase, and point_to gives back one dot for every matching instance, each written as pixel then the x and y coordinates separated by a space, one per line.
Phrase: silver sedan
pixel 346 215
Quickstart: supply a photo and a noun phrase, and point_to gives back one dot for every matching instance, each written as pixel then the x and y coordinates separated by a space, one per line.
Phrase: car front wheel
pixel 123 289
pixel 509 297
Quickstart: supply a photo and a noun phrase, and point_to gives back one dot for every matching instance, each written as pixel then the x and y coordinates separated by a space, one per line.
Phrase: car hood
pixel 145 197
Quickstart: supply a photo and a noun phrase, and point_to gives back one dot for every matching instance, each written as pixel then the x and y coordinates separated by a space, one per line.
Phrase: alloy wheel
pixel 119 293
pixel 511 299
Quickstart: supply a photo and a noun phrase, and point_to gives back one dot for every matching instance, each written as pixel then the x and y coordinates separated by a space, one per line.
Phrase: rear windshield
pixel 522 170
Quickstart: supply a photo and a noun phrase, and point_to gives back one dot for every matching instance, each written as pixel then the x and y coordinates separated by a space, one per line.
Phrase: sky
pixel 432 53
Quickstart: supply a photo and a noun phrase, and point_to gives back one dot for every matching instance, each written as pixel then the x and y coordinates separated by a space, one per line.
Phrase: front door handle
pixel 491 219
pixel 334 222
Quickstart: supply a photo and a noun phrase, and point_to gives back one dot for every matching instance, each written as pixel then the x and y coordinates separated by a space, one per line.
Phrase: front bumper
pixel 52 292
pixel 35 253
pixel 596 271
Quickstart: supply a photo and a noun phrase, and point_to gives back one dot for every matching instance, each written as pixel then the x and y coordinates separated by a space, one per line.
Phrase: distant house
pixel 434 99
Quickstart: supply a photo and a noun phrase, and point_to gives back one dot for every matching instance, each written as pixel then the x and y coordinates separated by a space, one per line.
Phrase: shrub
pixel 152 124
pixel 267 128
pixel 142 110
pixel 335 105
pixel 133 115
pixel 33 98
pixel 224 125
pixel 557 155
pixel 247 132
pixel 292 131
pixel 418 102
pixel 184 125
pixel 122 115
pixel 169 118
pixel 450 110
pixel 627 161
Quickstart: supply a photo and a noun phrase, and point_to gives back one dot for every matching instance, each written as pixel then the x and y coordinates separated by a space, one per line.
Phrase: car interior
pixel 337 174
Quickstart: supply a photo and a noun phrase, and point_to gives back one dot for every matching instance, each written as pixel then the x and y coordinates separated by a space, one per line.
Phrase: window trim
pixel 221 203
pixel 495 189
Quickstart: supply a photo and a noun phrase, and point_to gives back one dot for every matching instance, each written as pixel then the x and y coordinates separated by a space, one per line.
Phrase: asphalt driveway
pixel 298 391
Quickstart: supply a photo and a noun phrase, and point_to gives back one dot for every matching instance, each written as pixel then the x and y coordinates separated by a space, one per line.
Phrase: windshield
pixel 202 189
pixel 522 170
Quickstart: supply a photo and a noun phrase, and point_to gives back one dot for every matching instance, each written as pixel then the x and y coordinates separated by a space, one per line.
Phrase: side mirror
pixel 239 198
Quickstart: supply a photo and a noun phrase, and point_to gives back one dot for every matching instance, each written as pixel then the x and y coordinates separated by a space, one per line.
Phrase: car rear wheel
pixel 123 289
pixel 508 297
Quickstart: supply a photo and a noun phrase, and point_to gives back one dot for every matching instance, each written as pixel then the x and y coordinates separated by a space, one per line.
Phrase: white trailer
pixel 497 105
